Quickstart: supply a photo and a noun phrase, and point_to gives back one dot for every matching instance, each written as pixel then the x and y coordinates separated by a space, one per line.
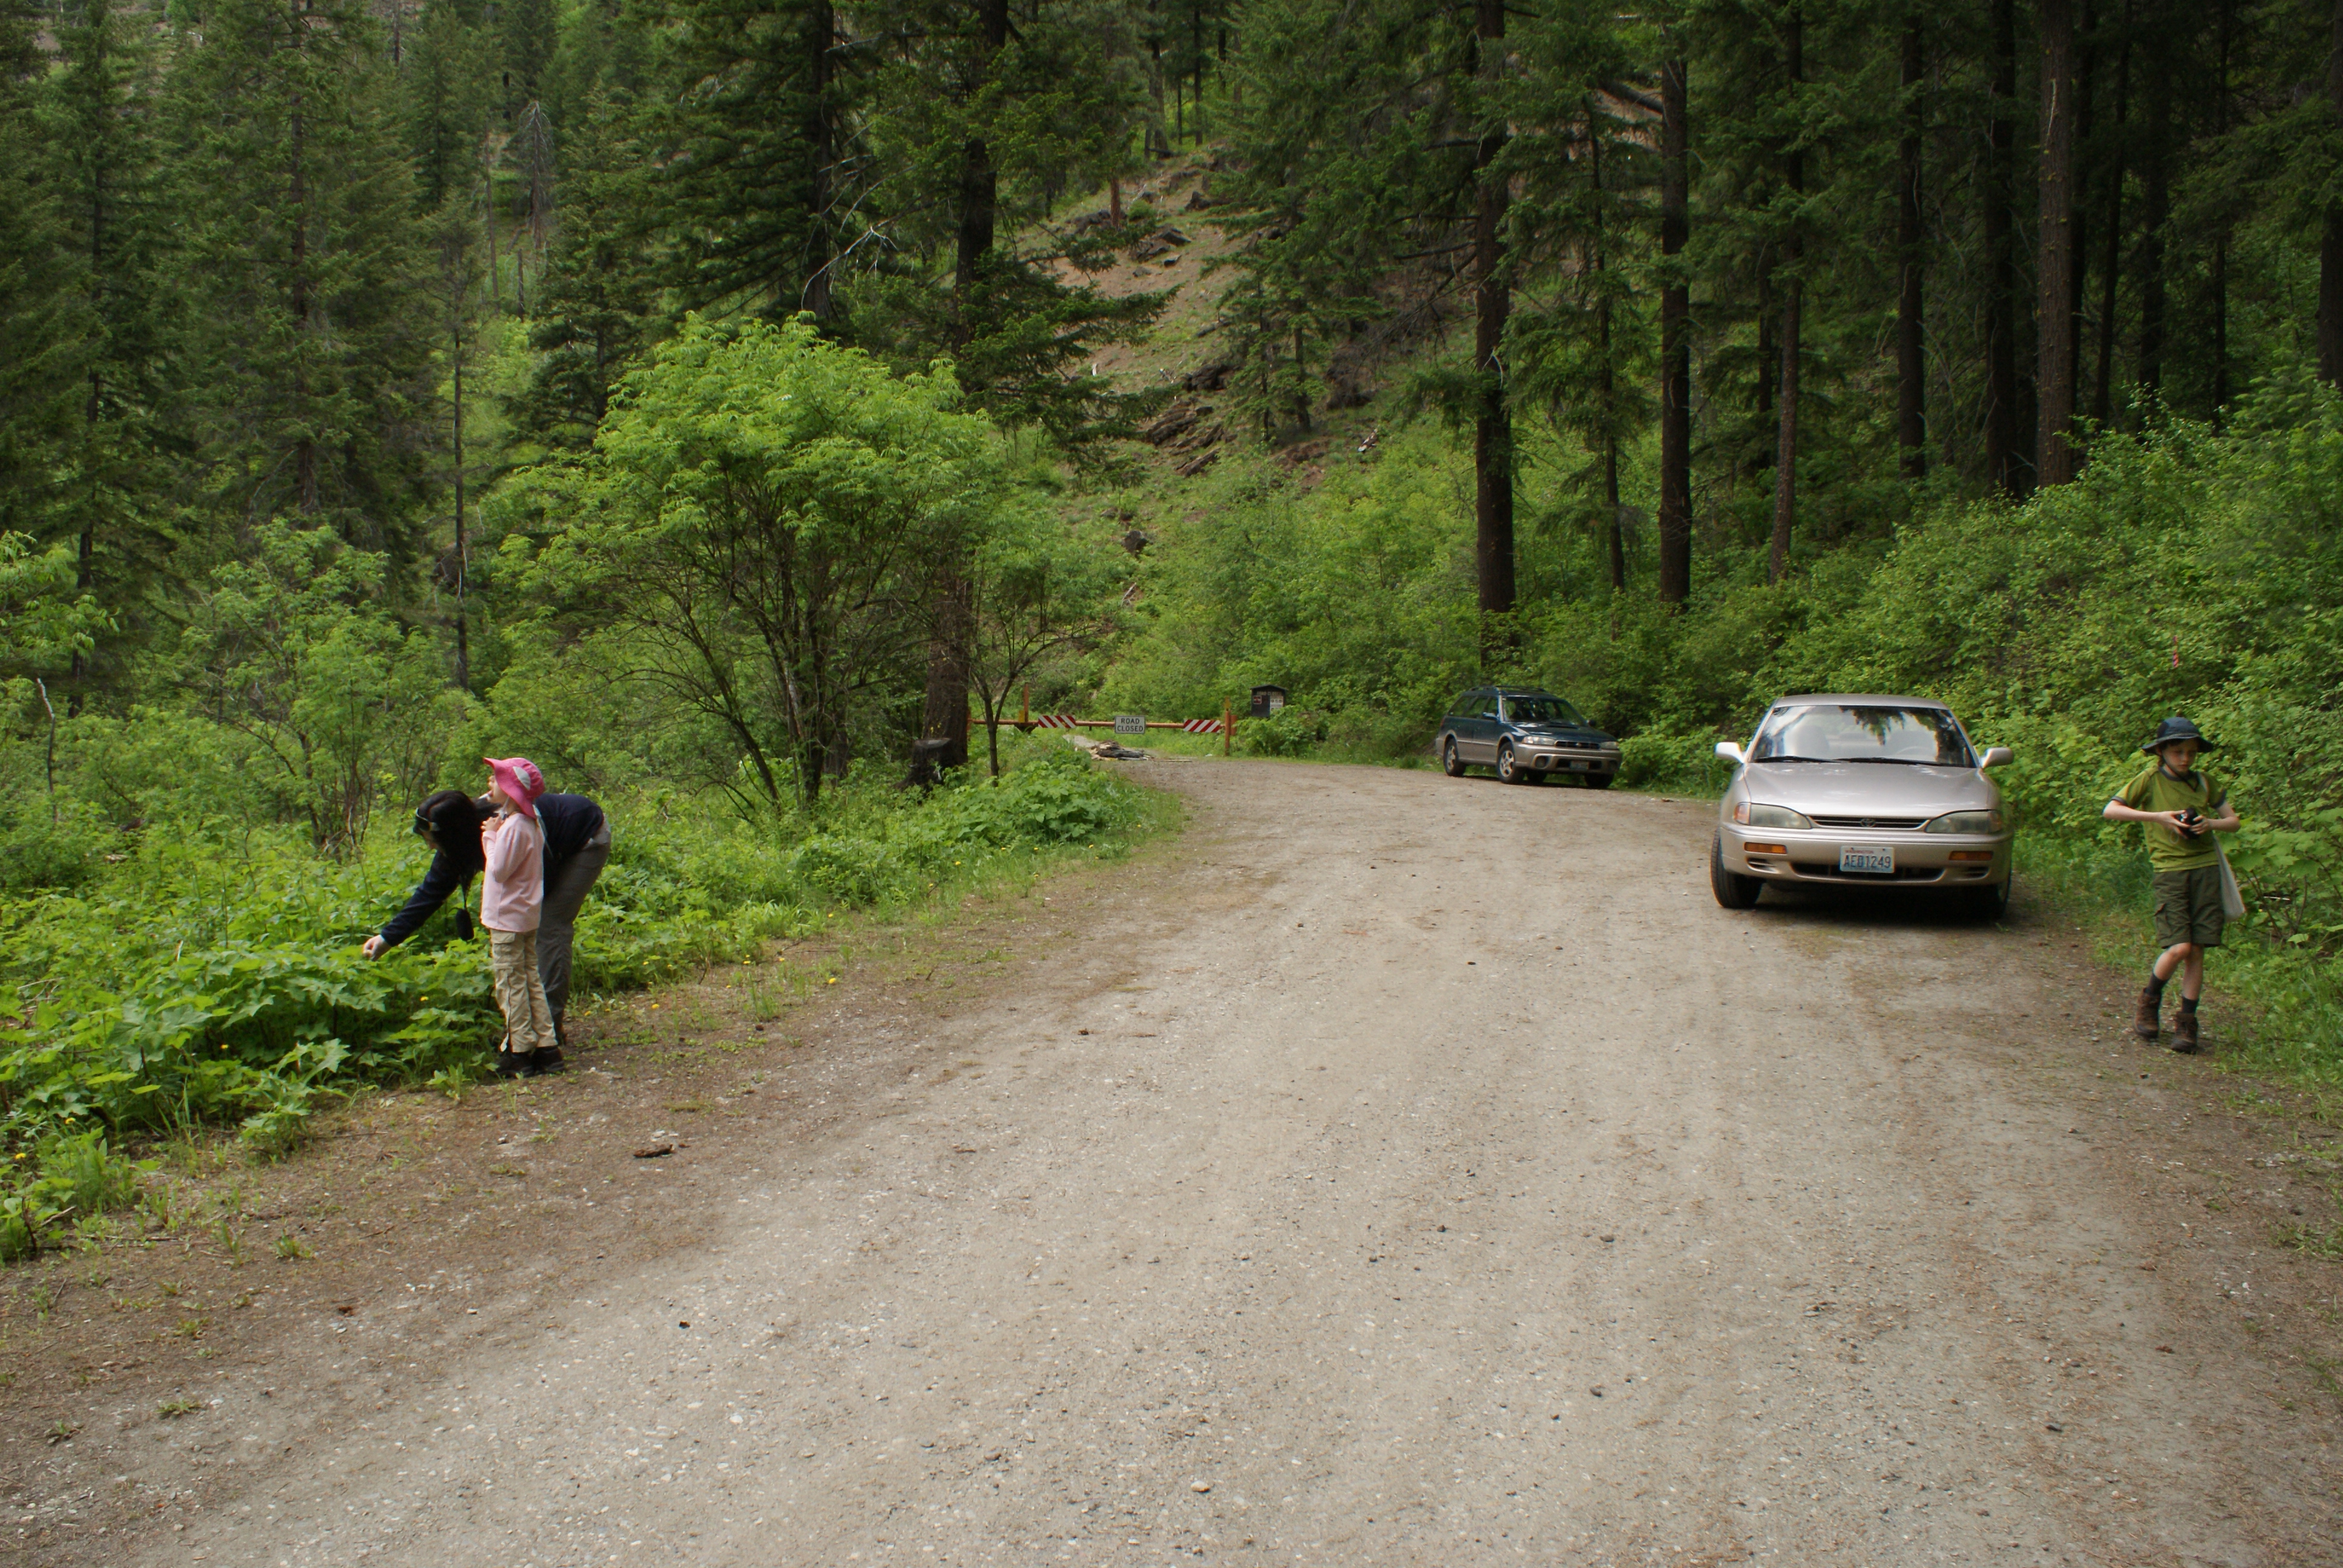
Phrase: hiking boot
pixel 2146 1024
pixel 515 1064
pixel 2184 1033
pixel 548 1059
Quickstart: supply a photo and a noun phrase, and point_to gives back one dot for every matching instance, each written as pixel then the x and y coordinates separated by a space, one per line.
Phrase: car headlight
pixel 1965 822
pixel 1753 816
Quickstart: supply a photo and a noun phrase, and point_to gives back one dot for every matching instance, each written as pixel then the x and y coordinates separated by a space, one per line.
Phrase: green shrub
pixel 1665 761
pixel 217 979
pixel 1289 732
pixel 39 856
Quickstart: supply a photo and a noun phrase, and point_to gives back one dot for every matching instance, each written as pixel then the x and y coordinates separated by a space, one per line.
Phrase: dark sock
pixel 2156 987
pixel 2187 1004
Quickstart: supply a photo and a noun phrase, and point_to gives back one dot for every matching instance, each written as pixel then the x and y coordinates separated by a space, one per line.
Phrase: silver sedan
pixel 1872 791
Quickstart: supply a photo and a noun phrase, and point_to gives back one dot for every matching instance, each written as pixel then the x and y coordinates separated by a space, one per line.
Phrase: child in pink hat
pixel 512 902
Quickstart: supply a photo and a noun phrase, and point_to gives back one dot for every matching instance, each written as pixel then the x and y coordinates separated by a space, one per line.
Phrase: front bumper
pixel 1535 758
pixel 1922 860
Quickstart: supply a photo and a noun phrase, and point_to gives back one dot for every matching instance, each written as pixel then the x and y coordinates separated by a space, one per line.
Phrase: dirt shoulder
pixel 1393 1169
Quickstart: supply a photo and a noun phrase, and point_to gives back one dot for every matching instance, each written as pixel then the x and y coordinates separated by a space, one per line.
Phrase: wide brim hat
pixel 521 781
pixel 2178 728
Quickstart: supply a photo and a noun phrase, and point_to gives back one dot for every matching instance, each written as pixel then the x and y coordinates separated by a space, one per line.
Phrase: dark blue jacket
pixel 570 823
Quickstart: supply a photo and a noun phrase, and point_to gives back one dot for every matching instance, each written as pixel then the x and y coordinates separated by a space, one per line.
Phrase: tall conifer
pixel 313 355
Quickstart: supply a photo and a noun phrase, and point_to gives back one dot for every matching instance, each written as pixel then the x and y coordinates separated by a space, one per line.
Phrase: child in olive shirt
pixel 2181 809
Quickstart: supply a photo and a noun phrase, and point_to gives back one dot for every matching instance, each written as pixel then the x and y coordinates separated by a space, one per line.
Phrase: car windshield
pixel 1541 710
pixel 1845 732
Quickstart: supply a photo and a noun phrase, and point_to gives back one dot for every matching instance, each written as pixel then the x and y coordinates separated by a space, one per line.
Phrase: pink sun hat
pixel 521 781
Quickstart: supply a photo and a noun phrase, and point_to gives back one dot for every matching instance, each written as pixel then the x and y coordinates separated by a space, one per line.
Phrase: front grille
pixel 1904 822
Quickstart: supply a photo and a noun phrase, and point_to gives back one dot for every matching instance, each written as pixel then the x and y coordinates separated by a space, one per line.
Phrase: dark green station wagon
pixel 1527 736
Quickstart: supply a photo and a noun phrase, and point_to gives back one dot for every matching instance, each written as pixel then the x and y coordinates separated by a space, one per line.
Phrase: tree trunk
pixel 1492 433
pixel 2002 467
pixel 488 222
pixel 1196 52
pixel 2054 455
pixel 2155 183
pixel 1785 443
pixel 944 715
pixel 2080 188
pixel 822 37
pixel 1676 346
pixel 980 181
pixel 305 447
pixel 1607 387
pixel 1911 362
pixel 2221 238
pixel 2111 246
pixel 2330 244
pixel 463 545
pixel 1155 143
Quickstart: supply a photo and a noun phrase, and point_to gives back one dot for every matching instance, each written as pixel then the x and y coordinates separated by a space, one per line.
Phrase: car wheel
pixel 1599 781
pixel 1991 903
pixel 1450 763
pixel 1509 771
pixel 1733 890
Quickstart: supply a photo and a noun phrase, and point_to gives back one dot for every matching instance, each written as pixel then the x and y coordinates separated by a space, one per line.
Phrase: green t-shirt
pixel 2156 791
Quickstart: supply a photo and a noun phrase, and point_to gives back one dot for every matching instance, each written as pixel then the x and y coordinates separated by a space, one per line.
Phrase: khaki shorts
pixel 2189 907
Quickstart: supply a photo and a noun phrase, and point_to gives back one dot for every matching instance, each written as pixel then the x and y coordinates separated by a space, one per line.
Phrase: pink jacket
pixel 512 894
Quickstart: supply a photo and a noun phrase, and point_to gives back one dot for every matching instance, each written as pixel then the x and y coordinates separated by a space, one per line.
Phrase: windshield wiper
pixel 1790 759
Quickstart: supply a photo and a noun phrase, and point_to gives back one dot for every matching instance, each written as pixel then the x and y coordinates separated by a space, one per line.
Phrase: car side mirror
pixel 1994 756
pixel 1730 750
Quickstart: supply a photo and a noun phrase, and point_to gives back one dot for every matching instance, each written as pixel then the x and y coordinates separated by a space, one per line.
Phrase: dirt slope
pixel 1396 1170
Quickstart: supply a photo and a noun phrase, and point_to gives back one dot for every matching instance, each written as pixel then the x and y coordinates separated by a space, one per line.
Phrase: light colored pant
pixel 520 992
pixel 565 895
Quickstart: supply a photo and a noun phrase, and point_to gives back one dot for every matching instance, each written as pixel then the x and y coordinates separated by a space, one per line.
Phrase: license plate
pixel 1579 763
pixel 1867 860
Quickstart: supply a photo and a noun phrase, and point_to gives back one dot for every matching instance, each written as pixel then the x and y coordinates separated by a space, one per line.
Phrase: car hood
pixel 1560 732
pixel 1868 789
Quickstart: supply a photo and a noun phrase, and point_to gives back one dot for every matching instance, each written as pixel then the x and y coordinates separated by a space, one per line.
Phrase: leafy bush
pixel 39 856
pixel 1288 732
pixel 218 980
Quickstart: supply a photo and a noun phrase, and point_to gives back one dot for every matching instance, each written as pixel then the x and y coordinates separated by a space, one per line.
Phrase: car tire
pixel 1599 781
pixel 1733 890
pixel 1991 903
pixel 1450 763
pixel 1509 768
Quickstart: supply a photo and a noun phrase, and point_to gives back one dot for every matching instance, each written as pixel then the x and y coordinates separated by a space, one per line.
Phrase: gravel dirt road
pixel 1397 1170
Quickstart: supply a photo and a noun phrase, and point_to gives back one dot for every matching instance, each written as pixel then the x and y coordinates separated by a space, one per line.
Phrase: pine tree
pixel 597 293
pixel 114 506
pixel 747 134
pixel 39 314
pixel 313 360
pixel 528 39
pixel 445 93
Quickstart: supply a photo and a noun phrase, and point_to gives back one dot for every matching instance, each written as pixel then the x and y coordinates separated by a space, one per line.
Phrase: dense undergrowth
pixel 185 976
pixel 2188 570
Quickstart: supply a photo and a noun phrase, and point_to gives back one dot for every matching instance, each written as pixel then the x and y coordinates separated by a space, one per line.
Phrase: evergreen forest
pixel 730 403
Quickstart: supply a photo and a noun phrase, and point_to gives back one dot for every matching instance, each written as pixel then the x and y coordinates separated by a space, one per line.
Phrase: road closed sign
pixel 1130 724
